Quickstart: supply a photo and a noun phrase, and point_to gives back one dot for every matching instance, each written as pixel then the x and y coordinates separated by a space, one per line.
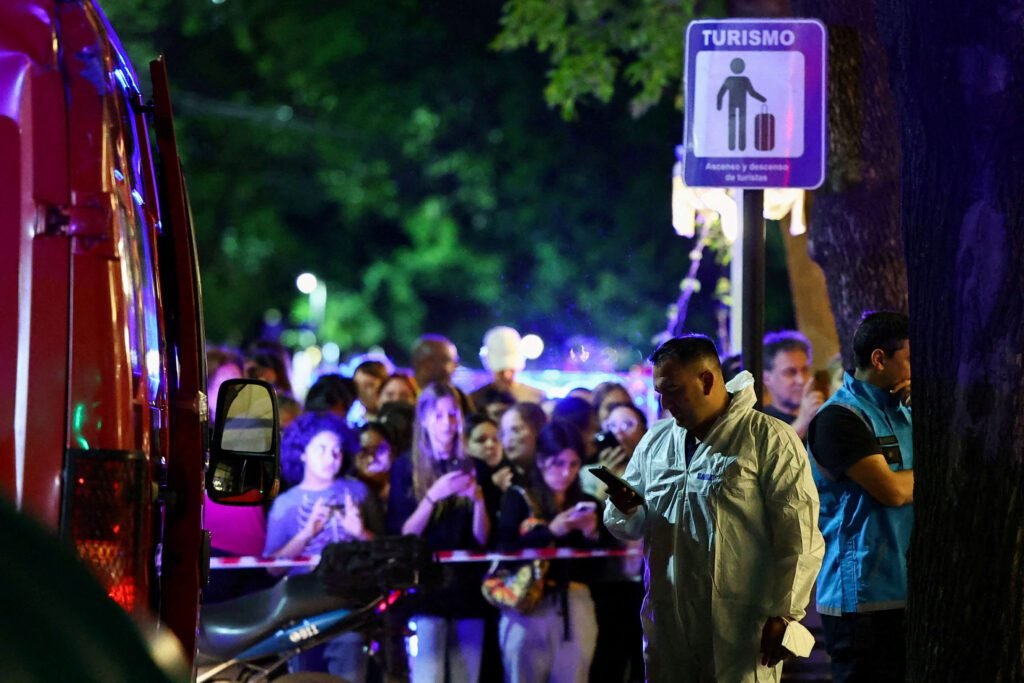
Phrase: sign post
pixel 755 119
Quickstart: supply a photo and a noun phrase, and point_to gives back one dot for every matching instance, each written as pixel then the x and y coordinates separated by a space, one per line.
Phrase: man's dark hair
pixel 687 349
pixel 426 344
pixel 491 395
pixel 373 368
pixel 783 340
pixel 886 330
pixel 330 391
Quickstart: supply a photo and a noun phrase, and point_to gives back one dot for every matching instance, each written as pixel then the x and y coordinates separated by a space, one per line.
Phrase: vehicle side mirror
pixel 246 444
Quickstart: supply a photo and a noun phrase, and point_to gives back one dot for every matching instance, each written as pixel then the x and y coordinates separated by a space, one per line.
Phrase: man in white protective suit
pixel 729 519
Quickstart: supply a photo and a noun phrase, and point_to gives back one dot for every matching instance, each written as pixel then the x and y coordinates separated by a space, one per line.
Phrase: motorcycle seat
pixel 230 627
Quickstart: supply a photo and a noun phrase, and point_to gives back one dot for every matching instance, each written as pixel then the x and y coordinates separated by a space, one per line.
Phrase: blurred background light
pixel 532 347
pixel 306 283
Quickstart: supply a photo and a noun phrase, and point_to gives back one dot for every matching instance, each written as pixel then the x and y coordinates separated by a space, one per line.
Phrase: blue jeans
pixel 446 650
pixel 536 648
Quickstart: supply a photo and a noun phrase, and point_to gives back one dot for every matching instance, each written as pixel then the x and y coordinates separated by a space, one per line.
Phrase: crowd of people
pixel 723 501
pixel 497 469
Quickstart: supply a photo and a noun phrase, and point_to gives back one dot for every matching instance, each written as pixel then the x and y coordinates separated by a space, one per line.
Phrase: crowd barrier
pixel 444 557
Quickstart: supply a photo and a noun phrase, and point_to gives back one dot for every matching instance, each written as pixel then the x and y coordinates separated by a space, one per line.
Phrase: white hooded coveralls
pixel 729 541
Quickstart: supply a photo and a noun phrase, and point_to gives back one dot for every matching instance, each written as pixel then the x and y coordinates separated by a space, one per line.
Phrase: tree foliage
pixel 592 44
pixel 389 149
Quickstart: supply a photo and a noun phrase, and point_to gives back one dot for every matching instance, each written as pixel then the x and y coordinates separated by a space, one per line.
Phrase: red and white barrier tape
pixel 446 557
pixel 253 561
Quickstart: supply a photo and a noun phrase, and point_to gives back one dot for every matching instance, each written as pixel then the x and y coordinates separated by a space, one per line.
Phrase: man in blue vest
pixel 861 444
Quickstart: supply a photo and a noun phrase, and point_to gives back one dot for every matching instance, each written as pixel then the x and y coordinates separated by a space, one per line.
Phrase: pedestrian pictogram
pixel 755 109
pixel 738 87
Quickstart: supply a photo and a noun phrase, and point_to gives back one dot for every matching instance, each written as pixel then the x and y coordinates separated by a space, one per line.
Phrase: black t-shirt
pixel 839 438
pixel 516 509
pixel 448 590
pixel 778 414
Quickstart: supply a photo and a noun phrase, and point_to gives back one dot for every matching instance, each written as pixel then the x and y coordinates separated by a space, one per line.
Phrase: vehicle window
pixel 137 249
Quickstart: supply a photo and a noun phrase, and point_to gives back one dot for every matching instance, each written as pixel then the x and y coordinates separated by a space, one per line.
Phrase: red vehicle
pixel 103 415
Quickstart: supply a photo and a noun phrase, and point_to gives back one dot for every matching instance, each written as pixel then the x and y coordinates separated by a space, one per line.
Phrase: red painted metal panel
pixel 15 218
pixel 116 368
pixel 47 376
pixel 181 565
pixel 87 359
pixel 27 28
pixel 33 265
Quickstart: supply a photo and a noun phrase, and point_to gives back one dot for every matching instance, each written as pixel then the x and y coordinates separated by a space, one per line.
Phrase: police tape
pixel 444 557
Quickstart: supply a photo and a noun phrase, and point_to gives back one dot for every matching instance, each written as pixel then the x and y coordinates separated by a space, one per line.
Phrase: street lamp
pixel 316 290
pixel 306 283
pixel 532 346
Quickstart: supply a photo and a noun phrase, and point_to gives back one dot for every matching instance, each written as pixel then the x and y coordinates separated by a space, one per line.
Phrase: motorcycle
pixel 252 637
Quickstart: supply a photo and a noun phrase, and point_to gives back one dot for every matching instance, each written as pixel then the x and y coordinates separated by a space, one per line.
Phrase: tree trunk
pixel 957 74
pixel 810 298
pixel 854 228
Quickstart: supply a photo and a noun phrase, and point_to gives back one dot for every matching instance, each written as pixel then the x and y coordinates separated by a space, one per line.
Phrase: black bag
pixel 362 570
pixel 764 131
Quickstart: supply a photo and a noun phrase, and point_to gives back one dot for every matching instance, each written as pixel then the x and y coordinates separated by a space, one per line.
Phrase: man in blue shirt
pixel 861 444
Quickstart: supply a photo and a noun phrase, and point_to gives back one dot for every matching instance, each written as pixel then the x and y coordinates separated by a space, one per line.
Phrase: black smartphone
pixel 615 483
pixel 605 440
pixel 464 465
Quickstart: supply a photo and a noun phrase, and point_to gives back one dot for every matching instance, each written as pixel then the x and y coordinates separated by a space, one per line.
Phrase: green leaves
pixel 593 43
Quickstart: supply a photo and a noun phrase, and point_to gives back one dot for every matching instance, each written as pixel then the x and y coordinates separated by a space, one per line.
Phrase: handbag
pixel 516 585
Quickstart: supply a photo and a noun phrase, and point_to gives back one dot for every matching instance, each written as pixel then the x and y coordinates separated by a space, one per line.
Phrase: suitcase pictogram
pixel 764 131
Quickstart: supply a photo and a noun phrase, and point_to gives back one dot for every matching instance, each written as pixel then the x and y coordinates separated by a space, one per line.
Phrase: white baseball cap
pixel 502 350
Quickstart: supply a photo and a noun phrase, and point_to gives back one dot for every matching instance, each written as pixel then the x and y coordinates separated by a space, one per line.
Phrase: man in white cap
pixel 502 355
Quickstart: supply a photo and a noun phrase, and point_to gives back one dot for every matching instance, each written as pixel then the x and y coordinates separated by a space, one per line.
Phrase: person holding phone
pixel 493 469
pixel 795 395
pixel 435 494
pixel 620 434
pixel 322 507
pixel 555 642
pixel 723 498
pixel 372 464
pixel 619 591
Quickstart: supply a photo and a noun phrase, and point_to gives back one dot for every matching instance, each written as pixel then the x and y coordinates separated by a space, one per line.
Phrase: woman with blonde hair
pixel 435 494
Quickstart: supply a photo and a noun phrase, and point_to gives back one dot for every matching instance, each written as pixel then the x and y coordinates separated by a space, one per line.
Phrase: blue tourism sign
pixel 755 103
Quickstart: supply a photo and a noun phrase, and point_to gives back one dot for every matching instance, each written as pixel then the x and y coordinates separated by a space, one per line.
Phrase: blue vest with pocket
pixel 865 564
